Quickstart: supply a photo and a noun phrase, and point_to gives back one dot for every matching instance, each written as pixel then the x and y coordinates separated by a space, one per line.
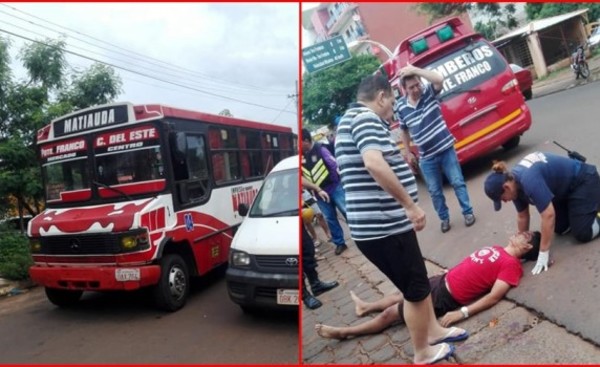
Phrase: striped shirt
pixel 425 123
pixel 372 212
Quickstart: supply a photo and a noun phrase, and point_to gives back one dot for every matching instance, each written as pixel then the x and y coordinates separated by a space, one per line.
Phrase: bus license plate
pixel 124 275
pixel 287 297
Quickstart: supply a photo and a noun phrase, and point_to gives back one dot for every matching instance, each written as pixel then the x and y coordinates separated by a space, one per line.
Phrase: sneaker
pixel 445 225
pixel 341 248
pixel 469 220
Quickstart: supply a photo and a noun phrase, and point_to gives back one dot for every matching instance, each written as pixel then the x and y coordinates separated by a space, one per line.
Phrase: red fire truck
pixel 481 101
pixel 144 196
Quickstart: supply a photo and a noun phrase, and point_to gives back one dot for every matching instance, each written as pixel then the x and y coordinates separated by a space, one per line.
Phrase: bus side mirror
pixel 243 209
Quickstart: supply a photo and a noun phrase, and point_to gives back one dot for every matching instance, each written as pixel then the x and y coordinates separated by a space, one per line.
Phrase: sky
pixel 241 57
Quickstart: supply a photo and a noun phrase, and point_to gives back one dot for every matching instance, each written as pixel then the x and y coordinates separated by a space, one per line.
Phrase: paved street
pixel 550 318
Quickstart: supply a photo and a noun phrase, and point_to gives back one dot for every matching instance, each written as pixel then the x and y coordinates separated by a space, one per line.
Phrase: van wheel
pixel 170 294
pixel 527 94
pixel 63 297
pixel 512 143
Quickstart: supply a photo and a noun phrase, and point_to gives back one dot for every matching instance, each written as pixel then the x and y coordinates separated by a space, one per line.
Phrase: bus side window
pixel 191 169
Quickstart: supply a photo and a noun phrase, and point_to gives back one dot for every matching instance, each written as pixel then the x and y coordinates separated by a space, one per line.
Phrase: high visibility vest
pixel 314 168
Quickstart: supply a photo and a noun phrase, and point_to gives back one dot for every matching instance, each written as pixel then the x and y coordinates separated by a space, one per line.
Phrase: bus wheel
pixel 63 297
pixel 173 286
pixel 512 143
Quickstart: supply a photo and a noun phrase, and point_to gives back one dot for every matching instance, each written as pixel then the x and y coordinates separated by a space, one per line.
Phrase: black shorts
pixel 441 298
pixel 399 258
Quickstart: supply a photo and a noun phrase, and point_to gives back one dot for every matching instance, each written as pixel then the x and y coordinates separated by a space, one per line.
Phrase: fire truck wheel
pixel 173 286
pixel 63 297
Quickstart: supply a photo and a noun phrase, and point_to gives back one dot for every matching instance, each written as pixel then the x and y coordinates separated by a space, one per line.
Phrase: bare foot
pixel 329 332
pixel 360 305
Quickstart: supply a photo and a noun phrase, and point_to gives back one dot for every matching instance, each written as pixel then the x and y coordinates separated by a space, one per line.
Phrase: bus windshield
pixel 278 196
pixel 468 67
pixel 121 163
pixel 133 166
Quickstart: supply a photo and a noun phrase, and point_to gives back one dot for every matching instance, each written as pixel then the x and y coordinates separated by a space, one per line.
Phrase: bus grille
pixel 279 263
pixel 89 244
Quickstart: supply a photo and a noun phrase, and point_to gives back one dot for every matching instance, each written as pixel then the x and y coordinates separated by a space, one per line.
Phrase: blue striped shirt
pixel 425 123
pixel 372 212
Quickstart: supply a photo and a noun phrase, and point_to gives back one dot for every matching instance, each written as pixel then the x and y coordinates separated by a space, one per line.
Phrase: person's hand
pixel 411 160
pixel 542 262
pixel 451 317
pixel 416 215
pixel 408 70
pixel 323 195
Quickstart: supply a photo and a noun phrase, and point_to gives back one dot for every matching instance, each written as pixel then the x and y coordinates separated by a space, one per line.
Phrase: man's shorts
pixel 311 202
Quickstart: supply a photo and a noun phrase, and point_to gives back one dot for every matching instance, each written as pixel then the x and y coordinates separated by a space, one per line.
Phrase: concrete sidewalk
pixel 504 334
pixel 565 79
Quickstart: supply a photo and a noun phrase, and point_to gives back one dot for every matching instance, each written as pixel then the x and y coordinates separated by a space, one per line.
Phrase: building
pixel 377 28
pixel 546 44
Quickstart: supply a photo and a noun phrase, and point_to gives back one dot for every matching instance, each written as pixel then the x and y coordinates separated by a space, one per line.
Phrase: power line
pixel 143 74
pixel 144 58
pixel 221 87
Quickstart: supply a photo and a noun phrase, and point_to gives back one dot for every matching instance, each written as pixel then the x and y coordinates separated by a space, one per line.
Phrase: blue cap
pixel 493 188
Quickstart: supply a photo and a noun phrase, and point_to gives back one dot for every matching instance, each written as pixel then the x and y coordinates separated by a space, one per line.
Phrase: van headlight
pixel 239 258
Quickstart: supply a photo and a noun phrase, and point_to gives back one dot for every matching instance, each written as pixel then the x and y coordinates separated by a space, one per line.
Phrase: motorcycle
pixel 578 64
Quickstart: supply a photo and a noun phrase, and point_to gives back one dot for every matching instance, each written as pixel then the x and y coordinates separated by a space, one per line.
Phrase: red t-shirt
pixel 477 273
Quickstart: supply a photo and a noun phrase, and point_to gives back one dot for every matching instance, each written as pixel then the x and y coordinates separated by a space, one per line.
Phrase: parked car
pixel 594 39
pixel 525 80
pixel 14 223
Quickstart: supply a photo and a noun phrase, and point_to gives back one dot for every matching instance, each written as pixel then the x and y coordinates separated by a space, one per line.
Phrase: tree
pixel 501 17
pixel 47 92
pixel 327 93
pixel 225 112
pixel 544 10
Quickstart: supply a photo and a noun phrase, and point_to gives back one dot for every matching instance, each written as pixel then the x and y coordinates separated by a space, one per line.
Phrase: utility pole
pixel 295 97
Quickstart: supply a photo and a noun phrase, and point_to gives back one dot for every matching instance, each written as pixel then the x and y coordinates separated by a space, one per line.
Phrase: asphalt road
pixel 126 328
pixel 569 293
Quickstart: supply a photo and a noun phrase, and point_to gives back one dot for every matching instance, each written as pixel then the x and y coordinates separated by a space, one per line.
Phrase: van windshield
pixel 466 68
pixel 278 196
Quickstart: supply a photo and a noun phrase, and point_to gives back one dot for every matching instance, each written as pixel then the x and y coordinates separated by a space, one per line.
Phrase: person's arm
pixel 311 186
pixel 548 221
pixel 543 260
pixel 436 79
pixel 523 220
pixel 498 291
pixel 406 153
pixel 387 179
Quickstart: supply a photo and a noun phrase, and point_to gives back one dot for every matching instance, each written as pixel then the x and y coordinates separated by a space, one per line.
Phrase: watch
pixel 465 311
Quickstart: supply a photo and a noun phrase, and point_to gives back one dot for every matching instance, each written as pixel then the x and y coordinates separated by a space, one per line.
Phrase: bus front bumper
pixel 95 278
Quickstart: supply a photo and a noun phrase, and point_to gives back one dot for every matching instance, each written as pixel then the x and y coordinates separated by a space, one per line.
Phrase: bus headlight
pixel 35 245
pixel 128 242
pixel 239 258
pixel 139 241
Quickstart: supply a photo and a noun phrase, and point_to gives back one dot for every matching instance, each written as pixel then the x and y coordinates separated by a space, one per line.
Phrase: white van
pixel 264 256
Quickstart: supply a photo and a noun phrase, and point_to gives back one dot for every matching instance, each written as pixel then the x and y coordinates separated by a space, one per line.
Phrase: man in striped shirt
pixel 421 119
pixel 381 196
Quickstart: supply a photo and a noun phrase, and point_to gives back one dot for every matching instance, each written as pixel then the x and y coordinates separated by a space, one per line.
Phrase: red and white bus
pixel 144 195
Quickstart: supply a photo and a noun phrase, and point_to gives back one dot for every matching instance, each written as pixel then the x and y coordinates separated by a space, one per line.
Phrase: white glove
pixel 542 262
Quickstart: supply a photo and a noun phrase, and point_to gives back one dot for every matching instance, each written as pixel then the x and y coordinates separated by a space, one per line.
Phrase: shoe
pixel 440 355
pixel 445 225
pixel 449 338
pixel 311 301
pixel 322 287
pixel 469 220
pixel 341 248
